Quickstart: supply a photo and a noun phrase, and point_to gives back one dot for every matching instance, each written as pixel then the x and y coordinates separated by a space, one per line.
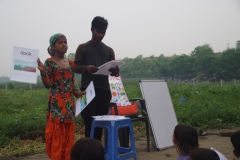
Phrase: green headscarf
pixel 52 40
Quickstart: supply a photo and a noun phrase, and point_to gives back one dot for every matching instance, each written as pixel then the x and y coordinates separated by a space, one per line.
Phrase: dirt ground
pixel 212 139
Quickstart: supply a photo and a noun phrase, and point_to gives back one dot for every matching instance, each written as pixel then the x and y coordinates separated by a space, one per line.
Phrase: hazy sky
pixel 136 27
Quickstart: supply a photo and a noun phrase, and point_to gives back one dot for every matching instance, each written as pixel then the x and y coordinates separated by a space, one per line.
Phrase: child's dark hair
pixel 99 23
pixel 235 139
pixel 185 138
pixel 204 154
pixel 87 149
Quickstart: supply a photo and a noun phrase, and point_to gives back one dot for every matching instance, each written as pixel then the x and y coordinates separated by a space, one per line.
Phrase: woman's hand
pixel 40 65
pixel 80 94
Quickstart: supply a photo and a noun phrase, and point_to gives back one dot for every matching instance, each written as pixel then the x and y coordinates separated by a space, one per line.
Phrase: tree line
pixel 202 63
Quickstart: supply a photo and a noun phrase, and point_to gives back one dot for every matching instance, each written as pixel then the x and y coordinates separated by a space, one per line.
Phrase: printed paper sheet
pixel 81 103
pixel 24 65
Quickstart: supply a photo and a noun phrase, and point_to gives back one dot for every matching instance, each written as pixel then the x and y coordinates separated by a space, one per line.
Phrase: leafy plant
pixel 23 116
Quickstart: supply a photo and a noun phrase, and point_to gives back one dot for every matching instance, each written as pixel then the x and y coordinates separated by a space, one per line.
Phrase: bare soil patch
pixel 214 138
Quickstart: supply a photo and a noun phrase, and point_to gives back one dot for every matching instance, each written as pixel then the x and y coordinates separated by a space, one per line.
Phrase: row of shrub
pixel 204 107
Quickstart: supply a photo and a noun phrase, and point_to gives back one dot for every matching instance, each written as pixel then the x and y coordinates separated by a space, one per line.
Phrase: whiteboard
pixel 160 111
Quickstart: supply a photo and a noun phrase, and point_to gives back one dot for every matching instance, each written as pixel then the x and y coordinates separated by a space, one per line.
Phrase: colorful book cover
pixel 119 95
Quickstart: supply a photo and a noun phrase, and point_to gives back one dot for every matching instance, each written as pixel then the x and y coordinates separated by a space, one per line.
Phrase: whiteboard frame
pixel 160 111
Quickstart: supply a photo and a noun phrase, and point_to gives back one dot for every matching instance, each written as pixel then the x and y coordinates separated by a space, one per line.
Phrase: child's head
pixel 87 149
pixel 58 43
pixel 235 139
pixel 203 154
pixel 185 138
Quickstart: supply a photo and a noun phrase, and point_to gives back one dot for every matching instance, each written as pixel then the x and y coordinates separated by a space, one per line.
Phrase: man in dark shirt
pixel 89 56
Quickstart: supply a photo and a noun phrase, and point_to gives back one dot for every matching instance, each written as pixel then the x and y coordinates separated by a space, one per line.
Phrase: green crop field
pixel 22 115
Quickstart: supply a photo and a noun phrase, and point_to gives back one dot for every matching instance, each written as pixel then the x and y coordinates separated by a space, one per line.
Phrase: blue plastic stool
pixel 111 148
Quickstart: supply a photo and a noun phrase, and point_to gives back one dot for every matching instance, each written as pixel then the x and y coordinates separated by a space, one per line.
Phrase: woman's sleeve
pixel 75 90
pixel 47 75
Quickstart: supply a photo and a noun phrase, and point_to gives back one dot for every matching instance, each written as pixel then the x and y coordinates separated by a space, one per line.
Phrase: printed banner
pixel 118 92
pixel 24 65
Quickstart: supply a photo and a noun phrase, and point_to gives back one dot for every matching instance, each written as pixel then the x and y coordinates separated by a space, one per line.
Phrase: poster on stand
pixel 119 95
pixel 24 65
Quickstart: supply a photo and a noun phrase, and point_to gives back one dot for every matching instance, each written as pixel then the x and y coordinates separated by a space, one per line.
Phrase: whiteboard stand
pixel 160 111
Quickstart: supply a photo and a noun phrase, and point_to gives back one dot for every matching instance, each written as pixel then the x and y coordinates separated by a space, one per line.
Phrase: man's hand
pixel 91 69
pixel 115 71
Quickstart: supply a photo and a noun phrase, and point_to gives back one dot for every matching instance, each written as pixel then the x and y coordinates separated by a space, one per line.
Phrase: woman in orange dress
pixel 57 76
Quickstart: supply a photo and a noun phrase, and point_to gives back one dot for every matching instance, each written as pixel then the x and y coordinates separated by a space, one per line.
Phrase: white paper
pixel 103 69
pixel 24 65
pixel 81 103
pixel 220 155
pixel 108 118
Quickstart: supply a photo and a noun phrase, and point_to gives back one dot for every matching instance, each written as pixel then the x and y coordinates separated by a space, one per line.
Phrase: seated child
pixel 185 138
pixel 87 149
pixel 203 154
pixel 235 139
